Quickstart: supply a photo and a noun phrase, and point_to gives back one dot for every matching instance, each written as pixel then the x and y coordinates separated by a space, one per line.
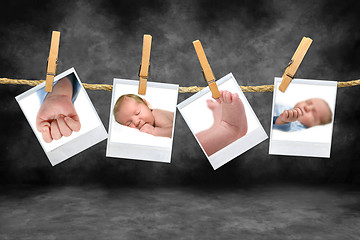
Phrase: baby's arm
pixel 289 116
pixel 57 116
pixel 163 124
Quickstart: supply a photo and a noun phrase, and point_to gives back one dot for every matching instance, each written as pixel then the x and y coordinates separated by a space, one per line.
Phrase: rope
pixel 191 89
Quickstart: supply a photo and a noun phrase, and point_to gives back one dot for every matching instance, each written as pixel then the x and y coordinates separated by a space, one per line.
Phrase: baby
pixel 135 112
pixel 305 114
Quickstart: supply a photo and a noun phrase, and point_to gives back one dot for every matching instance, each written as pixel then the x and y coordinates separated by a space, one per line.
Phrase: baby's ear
pixel 147 103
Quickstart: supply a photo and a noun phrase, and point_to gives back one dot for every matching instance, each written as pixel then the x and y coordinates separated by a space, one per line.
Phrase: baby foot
pixel 215 107
pixel 230 123
pixel 233 113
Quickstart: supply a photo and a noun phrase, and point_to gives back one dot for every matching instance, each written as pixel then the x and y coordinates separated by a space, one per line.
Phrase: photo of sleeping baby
pixel 302 118
pixel 134 111
pixel 141 126
pixel 305 114
pixel 64 121
pixel 224 127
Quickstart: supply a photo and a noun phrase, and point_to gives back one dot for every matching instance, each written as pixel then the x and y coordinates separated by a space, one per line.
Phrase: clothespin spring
pixel 287 74
pixel 146 77
pixel 291 61
pixel 47 64
pixel 214 80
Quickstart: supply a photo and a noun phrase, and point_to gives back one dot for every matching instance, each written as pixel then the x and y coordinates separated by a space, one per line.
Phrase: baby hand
pixel 289 116
pixel 147 128
pixel 57 117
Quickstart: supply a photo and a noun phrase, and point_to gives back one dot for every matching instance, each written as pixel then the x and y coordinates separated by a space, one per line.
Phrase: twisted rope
pixel 191 89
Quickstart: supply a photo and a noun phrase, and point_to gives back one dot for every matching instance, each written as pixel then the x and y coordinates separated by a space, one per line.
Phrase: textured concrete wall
pixel 252 39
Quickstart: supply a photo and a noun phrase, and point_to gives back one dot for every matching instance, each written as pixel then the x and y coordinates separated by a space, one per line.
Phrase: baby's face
pixel 314 111
pixel 134 114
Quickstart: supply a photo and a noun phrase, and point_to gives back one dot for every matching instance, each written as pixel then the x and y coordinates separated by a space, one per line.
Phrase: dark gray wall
pixel 252 39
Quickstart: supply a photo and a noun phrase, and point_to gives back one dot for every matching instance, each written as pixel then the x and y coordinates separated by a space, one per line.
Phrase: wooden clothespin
pixel 208 73
pixel 144 71
pixel 294 63
pixel 52 61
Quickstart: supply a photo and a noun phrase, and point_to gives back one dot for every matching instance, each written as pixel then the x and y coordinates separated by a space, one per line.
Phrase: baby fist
pixel 147 128
pixel 57 117
pixel 291 115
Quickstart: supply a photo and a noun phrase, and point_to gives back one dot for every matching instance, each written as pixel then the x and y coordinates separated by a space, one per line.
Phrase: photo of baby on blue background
pixel 302 118
pixel 305 114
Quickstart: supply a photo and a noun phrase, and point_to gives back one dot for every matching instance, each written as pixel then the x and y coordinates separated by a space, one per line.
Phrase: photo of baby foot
pixel 230 123
pixel 225 127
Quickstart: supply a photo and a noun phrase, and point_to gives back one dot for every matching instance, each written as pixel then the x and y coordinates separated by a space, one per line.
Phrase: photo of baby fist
pixel 57 116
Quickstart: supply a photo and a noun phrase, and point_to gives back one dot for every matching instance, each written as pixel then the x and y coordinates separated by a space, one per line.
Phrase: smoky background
pixel 253 39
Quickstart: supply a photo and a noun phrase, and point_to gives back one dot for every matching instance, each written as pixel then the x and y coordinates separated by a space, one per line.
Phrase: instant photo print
pixel 77 123
pixel 204 115
pixel 127 138
pixel 306 124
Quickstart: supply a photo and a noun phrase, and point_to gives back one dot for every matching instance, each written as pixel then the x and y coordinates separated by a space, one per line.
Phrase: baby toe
pixel 210 103
pixel 228 97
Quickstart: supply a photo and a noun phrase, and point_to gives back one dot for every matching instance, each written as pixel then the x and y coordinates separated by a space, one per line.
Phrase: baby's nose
pixel 137 122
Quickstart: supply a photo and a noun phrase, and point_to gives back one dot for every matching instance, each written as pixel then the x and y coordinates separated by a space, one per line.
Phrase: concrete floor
pixel 94 212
